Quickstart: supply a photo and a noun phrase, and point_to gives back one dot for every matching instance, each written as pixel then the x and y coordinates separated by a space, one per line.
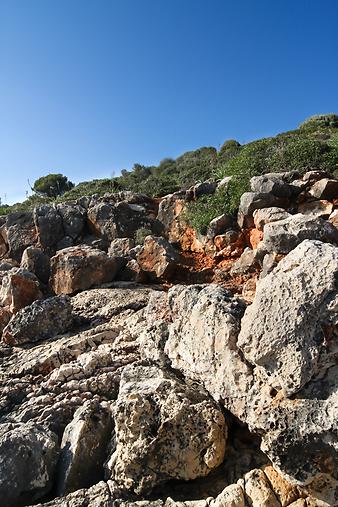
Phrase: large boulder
pixel 73 219
pixel 164 430
pixel 267 215
pixel 325 189
pixel 284 235
pixel 37 262
pixel 272 183
pixel 250 201
pixel 84 448
pixel 28 456
pixel 41 320
pixel 21 233
pixel 284 330
pixel 19 288
pixel 157 258
pixel 202 341
pixel 81 267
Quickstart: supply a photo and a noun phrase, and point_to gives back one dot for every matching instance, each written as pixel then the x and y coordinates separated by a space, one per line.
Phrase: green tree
pixel 52 185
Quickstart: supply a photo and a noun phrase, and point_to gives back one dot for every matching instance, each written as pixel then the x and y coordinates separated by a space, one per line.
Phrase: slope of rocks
pixel 143 364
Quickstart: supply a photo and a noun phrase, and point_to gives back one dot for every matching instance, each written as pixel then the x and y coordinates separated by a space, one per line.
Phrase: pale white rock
pixel 164 430
pixel 266 215
pixel 231 496
pixel 258 491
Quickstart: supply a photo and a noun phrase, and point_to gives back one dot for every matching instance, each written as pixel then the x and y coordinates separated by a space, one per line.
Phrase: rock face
pixel 28 456
pixel 164 430
pixel 202 341
pixel 250 201
pixel 37 262
pixel 84 448
pixel 325 189
pixel 79 268
pixel 284 329
pixel 21 233
pixel 284 235
pixel 19 289
pixel 157 258
pixel 40 320
pixel 49 227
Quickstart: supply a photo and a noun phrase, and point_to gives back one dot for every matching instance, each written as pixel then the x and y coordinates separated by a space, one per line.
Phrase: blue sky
pixel 88 87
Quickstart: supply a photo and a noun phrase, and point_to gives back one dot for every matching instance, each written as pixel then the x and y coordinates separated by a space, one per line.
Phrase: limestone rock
pixel 19 289
pixel 49 227
pixel 284 235
pixel 266 215
pixel 84 448
pixel 218 225
pixel 102 220
pixel 202 341
pixel 120 247
pixel 316 208
pixel 249 261
pixel 21 233
pixel 41 320
pixel 79 268
pixel 157 258
pixel 37 262
pixel 98 495
pixel 164 430
pixel 283 330
pixel 73 219
pixel 325 189
pixel 231 496
pixel 258 490
pixel 271 183
pixel 28 455
pixel 250 201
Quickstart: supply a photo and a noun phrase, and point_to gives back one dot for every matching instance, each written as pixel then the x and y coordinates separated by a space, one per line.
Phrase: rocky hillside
pixel 146 364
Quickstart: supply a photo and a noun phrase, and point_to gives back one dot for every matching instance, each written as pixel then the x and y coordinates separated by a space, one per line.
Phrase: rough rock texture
pixel 84 448
pixel 21 233
pixel 284 235
pixel 40 320
pixel 157 258
pixel 19 289
pixel 316 208
pixel 219 225
pixel 249 261
pixel 49 227
pixel 266 215
pixel 28 455
pixel 202 341
pixel 250 201
pixel 37 262
pixel 284 329
pixel 164 430
pixel 120 247
pixel 81 267
pixel 272 183
pixel 325 189
pixel 73 219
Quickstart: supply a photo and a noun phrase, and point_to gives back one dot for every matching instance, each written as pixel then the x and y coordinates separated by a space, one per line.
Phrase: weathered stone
pixel 73 219
pixel 269 262
pixel 21 233
pixel 283 330
pixel 120 247
pixel 5 316
pixel 64 242
pixel 231 496
pixel 325 189
pixel 202 341
pixel 37 262
pixel 258 490
pixel 284 235
pixel 19 289
pixel 249 261
pixel 28 455
pixel 96 496
pixel 81 267
pixel 164 430
pixel 266 215
pixel 3 246
pixel 333 218
pixel 271 183
pixel 40 320
pixel 84 448
pixel 49 227
pixel 158 258
pixel 218 225
pixel 170 214
pixel 102 220
pixel 250 201
pixel 316 208
pixel 284 491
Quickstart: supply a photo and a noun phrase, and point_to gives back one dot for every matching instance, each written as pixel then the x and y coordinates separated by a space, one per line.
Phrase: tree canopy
pixel 52 185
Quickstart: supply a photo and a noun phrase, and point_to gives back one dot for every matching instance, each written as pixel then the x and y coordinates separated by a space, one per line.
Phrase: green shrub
pixel 52 185
pixel 320 121
pixel 141 234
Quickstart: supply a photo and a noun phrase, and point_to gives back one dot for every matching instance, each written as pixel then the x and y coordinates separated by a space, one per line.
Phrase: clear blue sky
pixel 92 86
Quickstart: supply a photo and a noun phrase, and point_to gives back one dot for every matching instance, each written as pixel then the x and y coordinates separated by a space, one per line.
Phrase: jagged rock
pixel 249 261
pixel 272 183
pixel 3 246
pixel 250 201
pixel 333 218
pixel 258 490
pixel 283 330
pixel 98 495
pixel 19 289
pixel 84 448
pixel 285 492
pixel 28 455
pixel 81 267
pixel 65 242
pixel 284 235
pixel 269 262
pixel 73 219
pixel 120 247
pixel 5 316
pixel 164 430
pixel 40 320
pixel 202 341
pixel 102 220
pixel 266 215
pixel 169 211
pixel 316 208
pixel 49 227
pixel 231 496
pixel 37 262
pixel 157 258
pixel 132 272
pixel 21 233
pixel 218 225
pixel 325 189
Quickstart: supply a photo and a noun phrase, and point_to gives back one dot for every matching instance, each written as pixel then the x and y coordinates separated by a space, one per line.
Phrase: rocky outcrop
pixel 79 268
pixel 157 258
pixel 21 233
pixel 164 430
pixel 19 288
pixel 37 262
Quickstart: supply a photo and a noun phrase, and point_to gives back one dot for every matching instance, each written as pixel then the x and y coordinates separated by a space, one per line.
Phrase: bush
pixel 320 121
pixel 141 234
